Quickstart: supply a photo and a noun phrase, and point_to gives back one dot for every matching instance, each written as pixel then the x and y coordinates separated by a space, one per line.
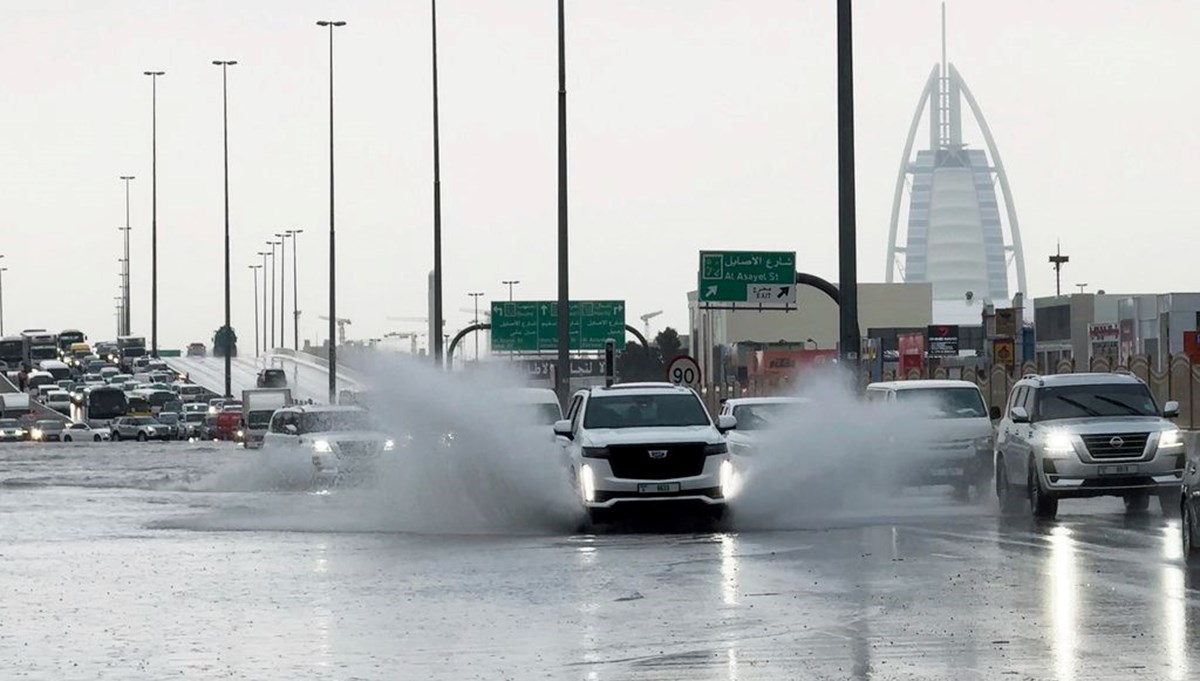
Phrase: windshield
pixel 1083 401
pixel 9 423
pixel 319 422
pixel 760 416
pixel 950 403
pixel 195 417
pixel 645 411
pixel 169 419
pixel 49 352
pixel 106 404
pixel 542 414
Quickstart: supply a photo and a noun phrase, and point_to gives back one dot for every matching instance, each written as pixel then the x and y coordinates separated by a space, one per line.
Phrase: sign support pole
pixel 847 248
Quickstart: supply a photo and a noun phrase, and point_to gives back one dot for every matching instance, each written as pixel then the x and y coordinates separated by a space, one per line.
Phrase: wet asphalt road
pixel 170 562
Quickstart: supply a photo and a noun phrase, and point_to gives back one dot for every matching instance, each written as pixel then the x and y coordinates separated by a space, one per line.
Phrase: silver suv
pixel 1087 435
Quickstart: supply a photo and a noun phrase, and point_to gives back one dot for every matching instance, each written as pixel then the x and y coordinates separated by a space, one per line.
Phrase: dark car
pixel 1189 511
pixel 272 378
pixel 171 424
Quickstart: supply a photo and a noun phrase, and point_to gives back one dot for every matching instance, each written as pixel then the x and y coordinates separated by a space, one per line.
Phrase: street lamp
pixel 510 283
pixel 476 334
pixel 225 64
pixel 272 244
pixel 254 269
pixel 154 210
pixel 295 292
pixel 125 321
pixel 264 255
pixel 283 237
pixel 332 241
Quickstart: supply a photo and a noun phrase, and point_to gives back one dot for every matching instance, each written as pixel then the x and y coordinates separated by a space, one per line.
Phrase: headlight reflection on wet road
pixel 1063 601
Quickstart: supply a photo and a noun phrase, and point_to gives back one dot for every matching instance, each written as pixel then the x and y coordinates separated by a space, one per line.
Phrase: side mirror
pixel 726 422
pixel 1020 415
pixel 562 428
pixel 290 429
pixel 1171 409
pixel 995 414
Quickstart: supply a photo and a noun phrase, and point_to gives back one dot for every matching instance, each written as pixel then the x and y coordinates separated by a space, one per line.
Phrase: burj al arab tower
pixel 954 237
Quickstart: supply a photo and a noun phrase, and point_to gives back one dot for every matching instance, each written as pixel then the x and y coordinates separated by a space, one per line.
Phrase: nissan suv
pixel 640 444
pixel 1087 435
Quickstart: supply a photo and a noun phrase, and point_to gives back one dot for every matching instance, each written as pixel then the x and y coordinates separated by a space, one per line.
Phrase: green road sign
pixel 760 277
pixel 532 325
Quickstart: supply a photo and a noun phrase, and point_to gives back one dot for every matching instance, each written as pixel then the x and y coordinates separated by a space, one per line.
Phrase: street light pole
pixel 254 269
pixel 228 330
pixel 154 210
pixel 272 244
pixel 562 379
pixel 476 334
pixel 436 313
pixel 283 287
pixel 264 255
pixel 332 240
pixel 510 283
pixel 295 292
pixel 125 317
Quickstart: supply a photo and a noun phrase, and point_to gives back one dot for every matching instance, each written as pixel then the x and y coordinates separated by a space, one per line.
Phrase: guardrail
pixel 318 362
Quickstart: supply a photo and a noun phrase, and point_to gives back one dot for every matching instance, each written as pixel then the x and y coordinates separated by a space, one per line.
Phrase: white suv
pixel 325 444
pixel 636 444
pixel 1087 435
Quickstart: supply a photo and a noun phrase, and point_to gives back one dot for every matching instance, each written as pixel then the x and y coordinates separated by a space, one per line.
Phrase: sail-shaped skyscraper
pixel 955 237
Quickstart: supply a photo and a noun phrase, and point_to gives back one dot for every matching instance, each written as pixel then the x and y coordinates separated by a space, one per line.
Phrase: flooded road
pixel 159 561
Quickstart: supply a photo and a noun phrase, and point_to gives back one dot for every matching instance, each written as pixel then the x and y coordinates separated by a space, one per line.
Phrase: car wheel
pixel 1187 524
pixel 1168 500
pixel 141 437
pixel 97 439
pixel 1043 505
pixel 116 436
pixel 66 438
pixel 1137 502
pixel 1010 503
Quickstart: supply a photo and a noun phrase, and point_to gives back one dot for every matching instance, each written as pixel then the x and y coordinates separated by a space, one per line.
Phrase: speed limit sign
pixel 684 370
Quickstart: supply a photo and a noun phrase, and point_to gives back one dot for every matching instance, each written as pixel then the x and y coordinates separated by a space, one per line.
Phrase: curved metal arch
pixel 485 326
pixel 926 93
pixel 1013 228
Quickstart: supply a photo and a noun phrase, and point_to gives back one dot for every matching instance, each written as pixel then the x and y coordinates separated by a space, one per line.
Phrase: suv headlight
pixel 322 446
pixel 389 445
pixel 1058 445
pixel 1170 438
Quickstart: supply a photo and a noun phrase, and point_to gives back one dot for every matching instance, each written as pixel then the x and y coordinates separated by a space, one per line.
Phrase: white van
pixel 951 440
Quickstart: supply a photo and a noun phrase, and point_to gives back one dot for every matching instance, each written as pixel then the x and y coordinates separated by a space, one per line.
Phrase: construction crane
pixel 646 320
pixel 401 335
pixel 342 323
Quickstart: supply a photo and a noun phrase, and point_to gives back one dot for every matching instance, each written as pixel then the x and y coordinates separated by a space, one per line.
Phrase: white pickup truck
pixel 257 408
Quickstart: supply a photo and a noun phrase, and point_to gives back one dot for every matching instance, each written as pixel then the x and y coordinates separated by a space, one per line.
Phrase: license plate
pixel 1126 469
pixel 658 487
pixel 947 472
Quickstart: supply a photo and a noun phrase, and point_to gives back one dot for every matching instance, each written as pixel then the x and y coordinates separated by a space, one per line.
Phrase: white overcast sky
pixel 693 124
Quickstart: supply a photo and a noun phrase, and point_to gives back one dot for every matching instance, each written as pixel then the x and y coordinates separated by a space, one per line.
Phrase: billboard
pixel 912 352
